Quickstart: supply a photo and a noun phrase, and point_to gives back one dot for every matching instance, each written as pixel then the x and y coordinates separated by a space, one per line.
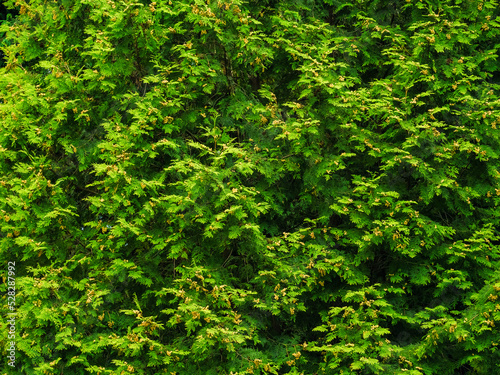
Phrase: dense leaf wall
pixel 272 187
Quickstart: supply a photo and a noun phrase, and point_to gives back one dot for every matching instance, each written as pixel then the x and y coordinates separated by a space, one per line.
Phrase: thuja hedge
pixel 260 187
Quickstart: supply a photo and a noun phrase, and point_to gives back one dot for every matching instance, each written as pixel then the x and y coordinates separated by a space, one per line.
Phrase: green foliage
pixel 274 187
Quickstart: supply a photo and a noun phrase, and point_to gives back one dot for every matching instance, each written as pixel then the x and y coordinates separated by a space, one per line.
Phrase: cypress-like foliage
pixel 251 187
